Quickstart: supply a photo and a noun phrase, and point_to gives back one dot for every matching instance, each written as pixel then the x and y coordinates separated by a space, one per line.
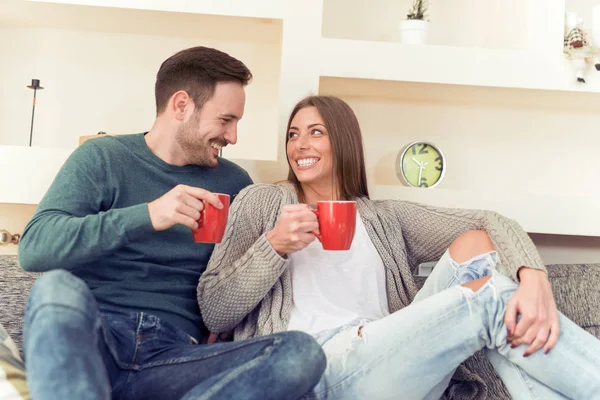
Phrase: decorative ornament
pixel 35 85
pixel 577 47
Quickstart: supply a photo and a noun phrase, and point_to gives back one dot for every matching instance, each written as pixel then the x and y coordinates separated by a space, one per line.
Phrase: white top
pixel 333 288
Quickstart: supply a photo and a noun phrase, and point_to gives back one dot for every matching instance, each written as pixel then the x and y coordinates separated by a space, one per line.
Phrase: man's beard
pixel 197 152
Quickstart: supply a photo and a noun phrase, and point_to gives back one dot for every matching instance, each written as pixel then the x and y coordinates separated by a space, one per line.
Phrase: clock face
pixel 422 165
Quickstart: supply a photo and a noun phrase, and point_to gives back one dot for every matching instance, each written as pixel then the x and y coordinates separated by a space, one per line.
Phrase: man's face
pixel 213 126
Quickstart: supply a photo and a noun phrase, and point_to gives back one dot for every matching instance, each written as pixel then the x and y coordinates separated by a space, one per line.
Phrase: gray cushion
pixel 577 291
pixel 15 285
pixel 576 288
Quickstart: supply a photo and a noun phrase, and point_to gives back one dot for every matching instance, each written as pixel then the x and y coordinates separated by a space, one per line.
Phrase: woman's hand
pixel 533 300
pixel 293 231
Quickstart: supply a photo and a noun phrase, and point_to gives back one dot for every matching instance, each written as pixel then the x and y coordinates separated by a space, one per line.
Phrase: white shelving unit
pixel 514 74
pixel 232 8
pixel 27 172
pixel 98 60
pixel 396 62
pixel 557 214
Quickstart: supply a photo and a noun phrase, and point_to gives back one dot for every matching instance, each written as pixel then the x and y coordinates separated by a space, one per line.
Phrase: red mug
pixel 337 224
pixel 212 222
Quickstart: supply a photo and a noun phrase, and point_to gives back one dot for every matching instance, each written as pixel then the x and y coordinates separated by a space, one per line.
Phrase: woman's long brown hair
pixel 349 171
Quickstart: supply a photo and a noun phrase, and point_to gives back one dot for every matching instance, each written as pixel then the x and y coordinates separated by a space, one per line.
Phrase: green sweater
pixel 94 222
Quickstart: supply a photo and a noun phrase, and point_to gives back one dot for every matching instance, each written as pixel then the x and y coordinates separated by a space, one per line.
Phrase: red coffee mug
pixel 212 222
pixel 337 224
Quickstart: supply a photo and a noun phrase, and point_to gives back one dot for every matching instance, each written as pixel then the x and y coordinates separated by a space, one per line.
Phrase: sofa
pixel 576 288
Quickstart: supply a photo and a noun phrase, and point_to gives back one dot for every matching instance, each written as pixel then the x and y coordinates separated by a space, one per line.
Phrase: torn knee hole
pixel 362 335
pixel 477 283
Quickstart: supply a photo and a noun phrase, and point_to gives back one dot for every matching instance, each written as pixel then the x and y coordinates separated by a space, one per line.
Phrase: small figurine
pixel 576 38
pixel 577 46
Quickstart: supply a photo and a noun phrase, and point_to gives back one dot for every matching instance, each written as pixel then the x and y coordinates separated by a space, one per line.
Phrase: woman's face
pixel 309 148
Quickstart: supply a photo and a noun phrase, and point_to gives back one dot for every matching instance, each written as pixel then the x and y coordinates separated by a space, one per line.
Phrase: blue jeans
pixel 414 352
pixel 76 350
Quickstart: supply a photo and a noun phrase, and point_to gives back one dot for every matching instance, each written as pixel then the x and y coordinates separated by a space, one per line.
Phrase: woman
pixel 382 338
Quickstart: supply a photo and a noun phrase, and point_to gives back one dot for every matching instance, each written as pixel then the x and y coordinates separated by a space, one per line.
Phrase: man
pixel 117 316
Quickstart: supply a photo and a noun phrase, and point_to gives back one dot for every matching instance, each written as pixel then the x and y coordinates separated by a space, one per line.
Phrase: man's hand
pixel 293 231
pixel 181 205
pixel 539 325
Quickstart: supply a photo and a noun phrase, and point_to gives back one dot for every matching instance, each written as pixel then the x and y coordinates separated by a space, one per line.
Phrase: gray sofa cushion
pixel 577 291
pixel 15 285
pixel 576 288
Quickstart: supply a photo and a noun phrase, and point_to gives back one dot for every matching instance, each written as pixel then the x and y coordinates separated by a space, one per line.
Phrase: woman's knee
pixel 470 244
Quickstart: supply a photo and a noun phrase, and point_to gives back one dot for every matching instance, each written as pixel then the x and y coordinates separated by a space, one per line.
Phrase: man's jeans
pixel 412 353
pixel 74 350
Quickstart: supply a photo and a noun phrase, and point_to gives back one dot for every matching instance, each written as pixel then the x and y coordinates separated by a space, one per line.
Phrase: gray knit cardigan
pixel 246 288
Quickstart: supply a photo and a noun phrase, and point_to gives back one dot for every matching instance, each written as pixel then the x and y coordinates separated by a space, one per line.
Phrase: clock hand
pixel 420 173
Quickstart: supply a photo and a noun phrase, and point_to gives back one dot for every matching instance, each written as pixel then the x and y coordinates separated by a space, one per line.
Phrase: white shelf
pixel 449 65
pixel 114 53
pixel 466 23
pixel 535 213
pixel 27 172
pixel 234 8
pixel 117 17
pixel 477 96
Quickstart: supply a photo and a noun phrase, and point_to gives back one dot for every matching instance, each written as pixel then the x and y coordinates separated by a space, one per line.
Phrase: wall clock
pixel 421 164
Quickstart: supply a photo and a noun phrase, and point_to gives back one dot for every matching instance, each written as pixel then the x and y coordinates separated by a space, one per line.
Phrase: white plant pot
pixel 414 31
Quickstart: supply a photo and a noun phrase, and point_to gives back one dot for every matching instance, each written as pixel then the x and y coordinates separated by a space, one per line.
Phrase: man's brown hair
pixel 197 71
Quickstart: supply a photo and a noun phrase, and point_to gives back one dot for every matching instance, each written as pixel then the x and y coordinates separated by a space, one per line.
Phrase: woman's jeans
pixel 413 353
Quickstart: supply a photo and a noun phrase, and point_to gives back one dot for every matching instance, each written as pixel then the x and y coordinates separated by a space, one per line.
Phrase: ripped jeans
pixel 412 353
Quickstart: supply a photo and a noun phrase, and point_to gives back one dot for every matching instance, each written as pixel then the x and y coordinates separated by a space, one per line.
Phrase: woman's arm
pixel 429 231
pixel 244 266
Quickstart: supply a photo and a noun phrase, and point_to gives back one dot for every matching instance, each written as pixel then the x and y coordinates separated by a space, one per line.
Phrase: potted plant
pixel 414 29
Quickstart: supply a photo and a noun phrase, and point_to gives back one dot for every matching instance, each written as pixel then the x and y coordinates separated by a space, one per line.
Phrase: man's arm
pixel 74 223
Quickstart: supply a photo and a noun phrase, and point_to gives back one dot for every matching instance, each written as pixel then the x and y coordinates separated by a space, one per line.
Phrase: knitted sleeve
pixel 429 231
pixel 244 266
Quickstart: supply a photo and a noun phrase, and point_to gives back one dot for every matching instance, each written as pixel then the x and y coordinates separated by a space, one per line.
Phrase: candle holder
pixel 35 85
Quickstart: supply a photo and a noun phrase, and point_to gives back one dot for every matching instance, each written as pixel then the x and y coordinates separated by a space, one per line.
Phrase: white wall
pixel 583 8
pixel 487 149
pixel 472 23
pixel 99 81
